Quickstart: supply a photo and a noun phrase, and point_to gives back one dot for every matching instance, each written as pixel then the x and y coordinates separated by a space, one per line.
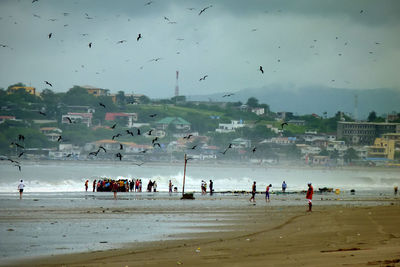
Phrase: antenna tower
pixel 177 85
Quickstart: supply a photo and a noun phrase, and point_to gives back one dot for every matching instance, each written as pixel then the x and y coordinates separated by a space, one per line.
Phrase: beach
pixel 158 229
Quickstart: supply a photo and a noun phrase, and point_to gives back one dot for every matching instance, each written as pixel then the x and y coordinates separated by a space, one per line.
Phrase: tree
pixel 350 155
pixel 372 116
pixel 120 98
pixel 252 102
pixel 144 99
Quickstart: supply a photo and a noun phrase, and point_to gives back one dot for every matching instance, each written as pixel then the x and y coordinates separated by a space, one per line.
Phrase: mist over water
pixel 70 176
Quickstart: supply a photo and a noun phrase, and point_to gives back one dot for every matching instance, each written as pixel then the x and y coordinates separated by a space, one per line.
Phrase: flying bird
pixel 138 131
pixel 20 154
pixel 118 155
pixel 188 136
pixel 166 18
pixel 152 115
pixel 69 155
pixel 148 3
pixel 261 69
pixel 59 138
pixel 115 136
pixel 143 151
pixel 155 139
pixel 155 59
pixel 113 127
pixel 138 164
pixel 21 137
pixel 139 36
pixel 231 94
pixel 203 78
pixel 90 45
pixel 254 149
pixel 48 83
pixel 129 132
pixel 33 1
pixel 101 104
pixel 13 161
pixel 284 123
pixel 230 146
pixel 204 9
pixel 69 119
pixel 150 131
pixel 193 147
pixel 361 11
pixel 122 41
pixel 50 34
pixel 101 147
pixel 121 147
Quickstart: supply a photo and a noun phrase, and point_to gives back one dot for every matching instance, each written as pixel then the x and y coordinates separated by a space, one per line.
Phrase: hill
pixel 309 100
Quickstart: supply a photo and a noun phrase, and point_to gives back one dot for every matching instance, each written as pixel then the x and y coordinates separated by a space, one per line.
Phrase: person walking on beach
pixel 86 185
pixel 94 185
pixel 284 185
pixel 21 188
pixel 211 187
pixel 137 185
pixel 267 192
pixel 114 188
pixel 309 194
pixel 396 188
pixel 253 192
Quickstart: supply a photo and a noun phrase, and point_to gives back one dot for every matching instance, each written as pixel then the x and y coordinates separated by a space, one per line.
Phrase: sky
pixel 331 43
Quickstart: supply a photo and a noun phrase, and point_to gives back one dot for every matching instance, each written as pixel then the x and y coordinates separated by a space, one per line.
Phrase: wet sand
pixel 263 235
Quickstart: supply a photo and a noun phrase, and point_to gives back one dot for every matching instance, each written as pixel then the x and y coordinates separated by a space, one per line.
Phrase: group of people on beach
pixel 309 194
pixel 204 187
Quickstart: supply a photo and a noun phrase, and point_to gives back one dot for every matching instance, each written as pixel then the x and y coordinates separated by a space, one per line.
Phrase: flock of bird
pixel 155 140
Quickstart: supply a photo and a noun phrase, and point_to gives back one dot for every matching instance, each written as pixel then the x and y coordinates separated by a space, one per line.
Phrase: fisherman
pixel 309 195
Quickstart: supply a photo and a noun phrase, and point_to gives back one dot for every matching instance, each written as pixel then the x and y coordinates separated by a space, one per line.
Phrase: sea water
pixel 70 176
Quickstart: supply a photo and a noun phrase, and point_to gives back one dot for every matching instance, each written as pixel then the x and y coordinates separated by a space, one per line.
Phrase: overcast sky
pixel 344 44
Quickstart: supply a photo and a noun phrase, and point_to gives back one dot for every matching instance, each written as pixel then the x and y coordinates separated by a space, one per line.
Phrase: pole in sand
pixel 184 175
pixel 187 195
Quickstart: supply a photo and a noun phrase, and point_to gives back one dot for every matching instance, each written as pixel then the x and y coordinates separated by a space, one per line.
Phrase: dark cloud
pixel 228 42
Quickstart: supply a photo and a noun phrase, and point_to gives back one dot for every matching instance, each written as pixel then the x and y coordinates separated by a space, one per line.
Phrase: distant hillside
pixel 309 100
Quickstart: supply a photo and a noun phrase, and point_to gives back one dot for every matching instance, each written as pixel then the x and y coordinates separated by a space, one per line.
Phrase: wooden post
pixel 184 174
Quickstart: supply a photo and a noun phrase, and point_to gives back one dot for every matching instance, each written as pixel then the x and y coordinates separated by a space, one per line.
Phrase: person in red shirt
pixel 310 192
pixel 114 189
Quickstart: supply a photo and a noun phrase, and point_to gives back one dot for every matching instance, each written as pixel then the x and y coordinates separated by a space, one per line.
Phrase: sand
pixel 263 235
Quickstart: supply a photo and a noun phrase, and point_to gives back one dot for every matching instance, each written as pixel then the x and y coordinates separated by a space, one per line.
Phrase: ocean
pixel 70 176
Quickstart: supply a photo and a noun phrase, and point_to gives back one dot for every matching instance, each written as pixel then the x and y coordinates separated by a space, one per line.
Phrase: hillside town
pixel 76 124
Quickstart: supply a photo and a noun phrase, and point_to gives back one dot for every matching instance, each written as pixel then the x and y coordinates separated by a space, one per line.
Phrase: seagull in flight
pixel 90 45
pixel 203 78
pixel 118 155
pixel 204 9
pixel 113 127
pixel 42 113
pixel 122 41
pixel 101 104
pixel 227 95
pixel 152 115
pixel 48 83
pixel 261 69
pixel 139 36
pixel 188 136
pixel 284 123
pixel 148 3
pixel 50 34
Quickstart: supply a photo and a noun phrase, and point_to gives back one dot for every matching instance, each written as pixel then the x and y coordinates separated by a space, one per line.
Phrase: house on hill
pixel 179 123
pixel 130 117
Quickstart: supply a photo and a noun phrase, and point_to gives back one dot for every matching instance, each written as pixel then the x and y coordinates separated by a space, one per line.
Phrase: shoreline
pixel 285 165
pixel 260 234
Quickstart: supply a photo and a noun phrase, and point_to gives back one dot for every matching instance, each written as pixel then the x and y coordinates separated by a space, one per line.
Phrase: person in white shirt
pixel 21 188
